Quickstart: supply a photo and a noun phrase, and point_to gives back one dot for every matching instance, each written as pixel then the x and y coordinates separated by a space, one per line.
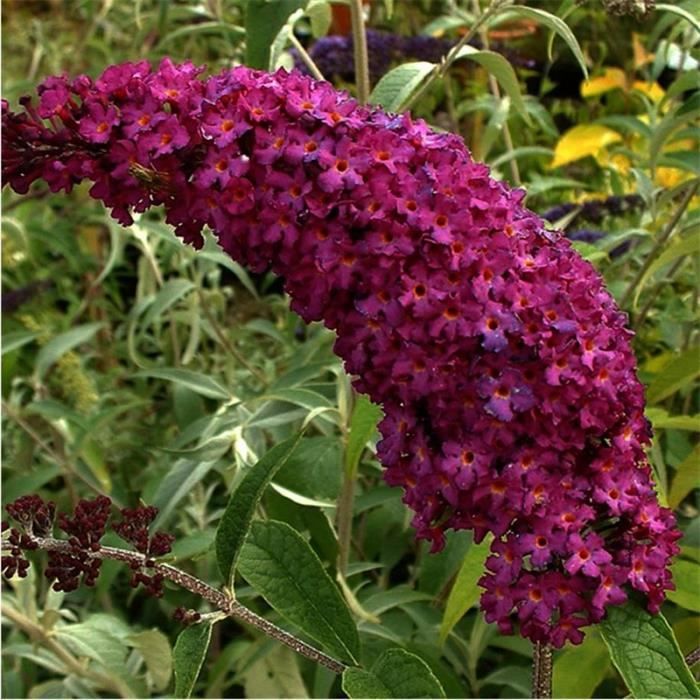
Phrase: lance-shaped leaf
pixel 363 423
pixel 188 657
pixel 499 67
pixel 465 590
pixel 279 563
pixel 396 674
pixel 235 522
pixel 398 85
pixel 646 653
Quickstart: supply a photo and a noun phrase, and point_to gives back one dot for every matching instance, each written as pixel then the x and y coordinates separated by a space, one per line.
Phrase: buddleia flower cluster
pixel 76 560
pixel 503 366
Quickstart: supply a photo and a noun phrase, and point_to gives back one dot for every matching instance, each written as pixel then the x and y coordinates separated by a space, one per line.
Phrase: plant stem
pixel 496 92
pixel 345 504
pixel 693 657
pixel 216 598
pixel 304 55
pixel 689 194
pixel 542 670
pixel 359 43
pixel 441 70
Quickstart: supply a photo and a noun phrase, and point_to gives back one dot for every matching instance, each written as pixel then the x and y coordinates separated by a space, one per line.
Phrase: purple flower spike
pixel 503 366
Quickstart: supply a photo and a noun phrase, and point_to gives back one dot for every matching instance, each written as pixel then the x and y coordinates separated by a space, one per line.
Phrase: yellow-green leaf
pixel 652 90
pixel 612 79
pixel 686 577
pixel 686 479
pixel 679 372
pixel 582 141
pixel 579 670
pixel 465 591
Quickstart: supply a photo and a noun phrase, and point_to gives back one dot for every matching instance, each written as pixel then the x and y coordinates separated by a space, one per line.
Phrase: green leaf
pixel 396 596
pixel 686 576
pixel 220 259
pixel 516 677
pixel 235 522
pixel 279 564
pixel 674 375
pixel 92 454
pixel 686 478
pixel 396 674
pixel 320 16
pixel 306 398
pixel 686 112
pixel 314 469
pixel 196 381
pixel 188 657
pixel 501 69
pixel 169 294
pixel 558 26
pixel 465 591
pixel 358 683
pixel 229 31
pixel 275 675
pixel 263 21
pixel 685 246
pixel 363 424
pixel 154 646
pixel 396 87
pixel 644 650
pixel 661 420
pixel 282 39
pixel 16 339
pixel 676 10
pixel 176 485
pixel 579 670
pixel 84 639
pixel 207 451
pixel 27 482
pixel 61 344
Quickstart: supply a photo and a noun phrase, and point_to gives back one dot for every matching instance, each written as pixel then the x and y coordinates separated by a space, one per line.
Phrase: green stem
pixel 345 505
pixel 496 92
pixel 660 243
pixel 441 70
pixel 304 54
pixel 359 42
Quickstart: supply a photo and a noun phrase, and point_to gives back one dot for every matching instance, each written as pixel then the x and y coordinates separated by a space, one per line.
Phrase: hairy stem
pixel 218 599
pixel 542 670
pixel 441 70
pixel 693 657
pixel 496 92
pixel 661 241
pixel 359 43
pixel 304 55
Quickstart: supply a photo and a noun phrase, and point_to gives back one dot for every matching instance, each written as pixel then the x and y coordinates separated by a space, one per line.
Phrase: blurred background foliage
pixel 135 367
